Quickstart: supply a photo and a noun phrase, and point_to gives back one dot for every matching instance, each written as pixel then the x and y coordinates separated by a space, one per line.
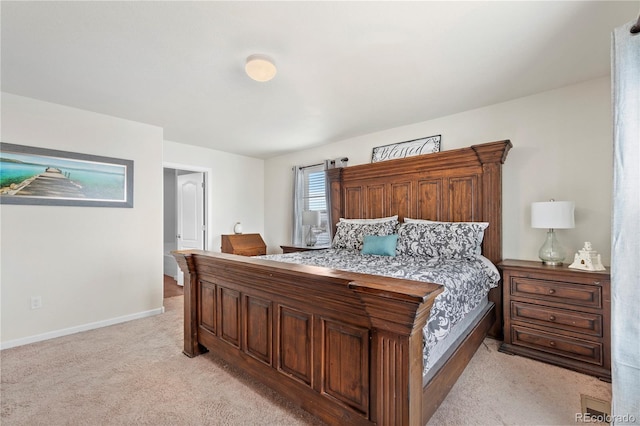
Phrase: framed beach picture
pixel 30 175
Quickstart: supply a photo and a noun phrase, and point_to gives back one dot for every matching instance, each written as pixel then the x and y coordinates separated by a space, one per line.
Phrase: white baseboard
pixel 78 329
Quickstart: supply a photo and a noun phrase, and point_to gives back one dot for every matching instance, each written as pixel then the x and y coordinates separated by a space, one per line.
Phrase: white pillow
pixel 409 220
pixel 378 220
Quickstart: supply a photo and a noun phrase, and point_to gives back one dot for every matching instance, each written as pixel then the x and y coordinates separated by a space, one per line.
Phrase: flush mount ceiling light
pixel 260 67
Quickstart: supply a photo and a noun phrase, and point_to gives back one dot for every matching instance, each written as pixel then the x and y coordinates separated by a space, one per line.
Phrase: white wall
pixel 91 265
pixel 236 189
pixel 562 149
pixel 99 265
pixel 169 202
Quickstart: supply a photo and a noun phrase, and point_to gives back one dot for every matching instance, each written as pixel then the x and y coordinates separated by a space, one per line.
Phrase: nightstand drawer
pixel 579 322
pixel 554 291
pixel 581 350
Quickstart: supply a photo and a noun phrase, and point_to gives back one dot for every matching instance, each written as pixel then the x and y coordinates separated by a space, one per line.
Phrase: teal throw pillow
pixel 380 245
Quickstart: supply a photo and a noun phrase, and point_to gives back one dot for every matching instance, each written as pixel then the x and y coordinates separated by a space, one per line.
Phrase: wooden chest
pixel 558 315
pixel 243 244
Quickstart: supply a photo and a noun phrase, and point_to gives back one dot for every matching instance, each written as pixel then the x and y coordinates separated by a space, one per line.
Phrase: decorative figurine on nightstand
pixel 587 259
pixel 237 228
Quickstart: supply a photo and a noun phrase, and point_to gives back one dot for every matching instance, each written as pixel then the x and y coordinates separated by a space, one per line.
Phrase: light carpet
pixel 135 374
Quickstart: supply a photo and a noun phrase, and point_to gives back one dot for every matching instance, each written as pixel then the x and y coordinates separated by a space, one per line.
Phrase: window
pixel 312 195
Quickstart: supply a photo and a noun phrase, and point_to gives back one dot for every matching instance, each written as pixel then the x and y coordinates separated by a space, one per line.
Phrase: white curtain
pixel 307 195
pixel 625 244
pixel 298 188
pixel 328 164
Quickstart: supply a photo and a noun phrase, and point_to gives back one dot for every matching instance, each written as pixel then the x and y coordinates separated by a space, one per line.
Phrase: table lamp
pixel 552 215
pixel 311 218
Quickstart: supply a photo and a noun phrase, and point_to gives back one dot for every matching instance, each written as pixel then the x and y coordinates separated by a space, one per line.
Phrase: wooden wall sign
pixel 421 146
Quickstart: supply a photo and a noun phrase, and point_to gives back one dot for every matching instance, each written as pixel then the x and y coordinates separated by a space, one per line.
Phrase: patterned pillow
pixel 453 240
pixel 349 235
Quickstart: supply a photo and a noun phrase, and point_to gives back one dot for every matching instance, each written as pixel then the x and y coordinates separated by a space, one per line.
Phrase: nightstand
pixel 558 315
pixel 295 248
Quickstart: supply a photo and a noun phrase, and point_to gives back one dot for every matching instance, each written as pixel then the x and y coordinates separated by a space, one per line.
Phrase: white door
pixel 190 215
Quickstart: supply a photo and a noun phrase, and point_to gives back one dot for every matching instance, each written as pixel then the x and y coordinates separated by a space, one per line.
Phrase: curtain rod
pixel 322 164
pixel 310 165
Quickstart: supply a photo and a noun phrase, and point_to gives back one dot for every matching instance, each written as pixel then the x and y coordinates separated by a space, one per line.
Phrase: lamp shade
pixel 311 218
pixel 553 214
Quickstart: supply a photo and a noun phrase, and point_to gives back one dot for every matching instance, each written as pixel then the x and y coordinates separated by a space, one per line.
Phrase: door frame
pixel 196 169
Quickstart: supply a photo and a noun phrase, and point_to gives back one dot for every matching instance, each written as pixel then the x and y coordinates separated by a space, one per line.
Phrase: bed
pixel 345 345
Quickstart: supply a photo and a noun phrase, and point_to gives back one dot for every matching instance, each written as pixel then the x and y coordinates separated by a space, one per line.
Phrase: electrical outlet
pixel 36 302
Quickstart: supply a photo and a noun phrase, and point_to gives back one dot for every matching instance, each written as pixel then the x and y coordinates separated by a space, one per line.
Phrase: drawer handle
pixel 552 291
pixel 552 343
pixel 552 317
pixel 596 282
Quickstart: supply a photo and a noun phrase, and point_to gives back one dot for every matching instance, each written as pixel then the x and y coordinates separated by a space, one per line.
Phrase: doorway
pixel 185 218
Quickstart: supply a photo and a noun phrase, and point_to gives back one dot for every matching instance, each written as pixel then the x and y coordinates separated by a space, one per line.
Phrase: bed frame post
pixel 492 156
pixel 191 346
pixel 396 353
pixel 334 180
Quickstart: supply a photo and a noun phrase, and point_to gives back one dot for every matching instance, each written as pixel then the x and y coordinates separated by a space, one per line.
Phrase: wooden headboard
pixel 458 186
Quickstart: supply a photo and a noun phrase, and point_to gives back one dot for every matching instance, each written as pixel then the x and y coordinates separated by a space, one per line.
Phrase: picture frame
pixel 39 176
pixel 410 148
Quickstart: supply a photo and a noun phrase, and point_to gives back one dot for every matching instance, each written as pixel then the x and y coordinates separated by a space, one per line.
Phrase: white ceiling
pixel 344 68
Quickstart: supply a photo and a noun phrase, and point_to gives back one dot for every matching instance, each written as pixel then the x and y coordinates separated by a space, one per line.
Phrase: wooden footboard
pixel 346 347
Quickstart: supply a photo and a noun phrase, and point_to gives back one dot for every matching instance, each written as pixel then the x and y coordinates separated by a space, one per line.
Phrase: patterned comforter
pixel 466 281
